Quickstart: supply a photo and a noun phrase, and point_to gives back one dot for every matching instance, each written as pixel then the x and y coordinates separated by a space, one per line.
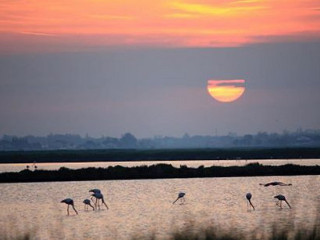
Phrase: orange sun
pixel 226 90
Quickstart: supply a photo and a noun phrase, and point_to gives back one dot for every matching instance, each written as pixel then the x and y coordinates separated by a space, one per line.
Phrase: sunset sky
pixel 32 25
pixel 109 67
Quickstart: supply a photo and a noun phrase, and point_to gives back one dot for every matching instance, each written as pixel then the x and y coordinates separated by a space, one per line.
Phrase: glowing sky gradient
pixel 107 67
pixel 28 25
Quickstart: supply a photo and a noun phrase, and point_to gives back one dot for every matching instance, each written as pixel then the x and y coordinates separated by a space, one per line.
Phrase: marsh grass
pixel 192 231
pixel 207 233
pixel 16 228
pixel 17 236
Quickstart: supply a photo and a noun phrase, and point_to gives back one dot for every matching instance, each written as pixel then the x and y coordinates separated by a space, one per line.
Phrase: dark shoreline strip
pixel 158 154
pixel 158 171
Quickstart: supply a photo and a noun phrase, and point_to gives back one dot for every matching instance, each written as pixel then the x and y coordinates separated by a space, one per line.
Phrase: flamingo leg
pixel 92 207
pixel 68 209
pixel 288 203
pixel 74 209
pixel 104 203
pixel 251 205
pixel 94 202
pixel 175 200
pixel 98 203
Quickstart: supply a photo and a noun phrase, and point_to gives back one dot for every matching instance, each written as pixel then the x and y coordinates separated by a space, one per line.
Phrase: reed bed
pixel 207 233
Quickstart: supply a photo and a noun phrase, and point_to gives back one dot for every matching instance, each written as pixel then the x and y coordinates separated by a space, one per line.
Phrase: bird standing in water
pixel 249 196
pixel 95 190
pixel 181 197
pixel 69 202
pixel 87 203
pixel 280 199
pixel 98 197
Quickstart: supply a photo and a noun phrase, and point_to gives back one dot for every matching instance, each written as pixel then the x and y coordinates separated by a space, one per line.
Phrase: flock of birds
pixel 98 196
pixel 280 197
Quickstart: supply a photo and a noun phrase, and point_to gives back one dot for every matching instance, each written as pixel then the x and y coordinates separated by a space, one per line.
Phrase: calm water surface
pixel 142 207
pixel 16 167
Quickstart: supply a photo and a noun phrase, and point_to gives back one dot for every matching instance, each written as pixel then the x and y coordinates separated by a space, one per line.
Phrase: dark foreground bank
pixel 159 154
pixel 309 232
pixel 156 172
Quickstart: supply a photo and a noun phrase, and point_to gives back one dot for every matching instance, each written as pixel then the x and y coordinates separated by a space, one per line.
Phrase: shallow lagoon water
pixel 17 167
pixel 144 207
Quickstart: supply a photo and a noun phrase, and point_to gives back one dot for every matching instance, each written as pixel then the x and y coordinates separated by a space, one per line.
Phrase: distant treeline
pixel 155 172
pixel 160 154
pixel 299 138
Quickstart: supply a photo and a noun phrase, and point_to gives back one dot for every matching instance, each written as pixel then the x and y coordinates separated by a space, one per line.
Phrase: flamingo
pixel 249 196
pixel 275 184
pixel 280 199
pixel 180 196
pixel 99 196
pixel 95 190
pixel 69 202
pixel 87 203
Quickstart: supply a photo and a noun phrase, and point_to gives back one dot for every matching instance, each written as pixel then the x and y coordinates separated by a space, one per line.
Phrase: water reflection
pixel 145 206
pixel 16 167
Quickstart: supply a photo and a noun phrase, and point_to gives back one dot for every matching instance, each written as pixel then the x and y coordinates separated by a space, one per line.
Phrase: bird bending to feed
pixel 87 203
pixel 280 199
pixel 98 197
pixel 95 190
pixel 249 196
pixel 275 184
pixel 181 197
pixel 69 202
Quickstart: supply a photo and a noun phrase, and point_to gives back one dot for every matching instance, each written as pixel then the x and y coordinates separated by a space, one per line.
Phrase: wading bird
pixel 95 190
pixel 87 203
pixel 69 202
pixel 181 197
pixel 275 184
pixel 280 199
pixel 249 196
pixel 98 197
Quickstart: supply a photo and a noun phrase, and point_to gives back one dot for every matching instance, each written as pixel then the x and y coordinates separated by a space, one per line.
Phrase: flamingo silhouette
pixel 249 196
pixel 280 199
pixel 181 197
pixel 69 202
pixel 95 190
pixel 275 184
pixel 98 197
pixel 87 203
